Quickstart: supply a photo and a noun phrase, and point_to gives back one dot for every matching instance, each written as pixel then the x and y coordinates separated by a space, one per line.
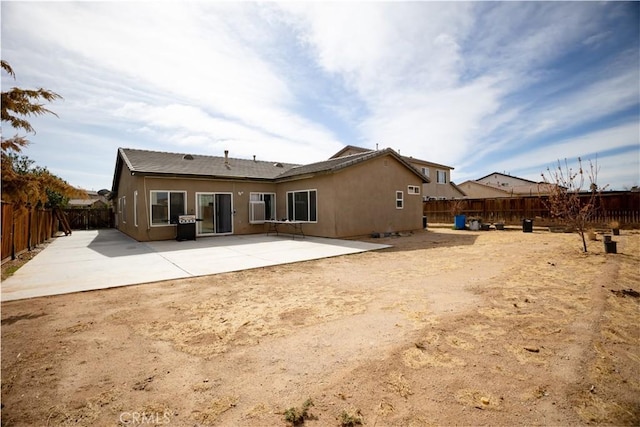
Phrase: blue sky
pixel 482 86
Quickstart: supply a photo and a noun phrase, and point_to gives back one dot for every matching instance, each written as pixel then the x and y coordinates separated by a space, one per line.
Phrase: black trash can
pixel 527 225
pixel 424 222
pixel 610 247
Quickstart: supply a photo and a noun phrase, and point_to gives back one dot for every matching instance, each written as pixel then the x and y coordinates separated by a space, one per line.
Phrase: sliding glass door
pixel 215 212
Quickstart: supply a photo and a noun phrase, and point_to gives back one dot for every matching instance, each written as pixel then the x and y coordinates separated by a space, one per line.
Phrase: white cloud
pixel 379 47
pixel 586 146
pixel 449 82
pixel 192 129
pixel 619 172
pixel 189 53
pixel 441 126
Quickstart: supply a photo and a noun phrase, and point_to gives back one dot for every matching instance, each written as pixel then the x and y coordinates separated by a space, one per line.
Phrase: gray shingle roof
pixel 180 164
pixel 156 162
pixel 329 165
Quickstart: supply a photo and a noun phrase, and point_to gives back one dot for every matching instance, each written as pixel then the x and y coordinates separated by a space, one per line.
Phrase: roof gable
pixel 357 150
pixel 524 180
pixel 422 163
pixel 485 186
pixel 350 149
pixel 338 163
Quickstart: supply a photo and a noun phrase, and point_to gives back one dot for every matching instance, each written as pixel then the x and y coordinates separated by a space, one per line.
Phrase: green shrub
pixel 296 416
pixel 348 420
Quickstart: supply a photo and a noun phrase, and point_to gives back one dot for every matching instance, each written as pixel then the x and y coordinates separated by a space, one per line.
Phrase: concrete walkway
pixel 99 259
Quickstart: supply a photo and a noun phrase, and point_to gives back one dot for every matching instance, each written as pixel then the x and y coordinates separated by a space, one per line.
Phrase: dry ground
pixel 447 327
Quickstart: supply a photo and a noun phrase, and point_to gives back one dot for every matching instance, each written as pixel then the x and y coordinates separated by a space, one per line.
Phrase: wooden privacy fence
pixel 89 219
pixel 23 229
pixel 623 207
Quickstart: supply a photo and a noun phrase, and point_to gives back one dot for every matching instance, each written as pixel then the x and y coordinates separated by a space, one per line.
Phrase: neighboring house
pixel 476 190
pixel 94 201
pixel 498 184
pixel 374 191
pixel 438 184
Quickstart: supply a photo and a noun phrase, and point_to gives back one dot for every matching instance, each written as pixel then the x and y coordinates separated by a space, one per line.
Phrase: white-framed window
pixel 399 200
pixel 302 206
pixel 262 207
pixel 135 208
pixel 167 206
pixel 413 189
pixel 441 177
pixel 425 172
pixel 123 209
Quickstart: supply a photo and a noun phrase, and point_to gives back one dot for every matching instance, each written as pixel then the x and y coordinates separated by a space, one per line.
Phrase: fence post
pixel 29 224
pixel 13 238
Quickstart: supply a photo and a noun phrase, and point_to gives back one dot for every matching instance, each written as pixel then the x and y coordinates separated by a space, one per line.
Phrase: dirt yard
pixel 447 327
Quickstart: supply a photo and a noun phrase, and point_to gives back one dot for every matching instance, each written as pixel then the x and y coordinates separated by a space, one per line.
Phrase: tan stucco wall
pixel 239 190
pixel 448 191
pixel 366 198
pixel 126 188
pixel 361 199
pixel 355 201
pixel 433 188
pixel 480 191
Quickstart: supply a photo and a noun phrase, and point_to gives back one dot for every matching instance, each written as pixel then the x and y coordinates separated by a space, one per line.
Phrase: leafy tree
pixel 24 184
pixel 17 105
pixel 569 200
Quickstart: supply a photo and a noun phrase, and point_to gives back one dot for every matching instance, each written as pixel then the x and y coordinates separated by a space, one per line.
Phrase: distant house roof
pixel 335 164
pixel 528 189
pixel 485 186
pixel 81 202
pixel 93 199
pixel 353 149
pixel 350 148
pixel 454 185
pixel 86 203
pixel 180 165
pixel 507 176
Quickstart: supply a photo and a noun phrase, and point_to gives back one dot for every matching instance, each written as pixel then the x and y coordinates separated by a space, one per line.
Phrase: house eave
pixel 201 177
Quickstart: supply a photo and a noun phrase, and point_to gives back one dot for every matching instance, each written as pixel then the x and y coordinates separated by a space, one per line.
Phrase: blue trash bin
pixel 459 222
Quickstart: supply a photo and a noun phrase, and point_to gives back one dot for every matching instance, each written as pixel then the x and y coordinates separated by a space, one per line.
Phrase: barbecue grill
pixel 186 228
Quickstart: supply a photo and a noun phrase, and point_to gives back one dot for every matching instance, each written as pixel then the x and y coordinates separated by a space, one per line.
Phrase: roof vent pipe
pixel 226 157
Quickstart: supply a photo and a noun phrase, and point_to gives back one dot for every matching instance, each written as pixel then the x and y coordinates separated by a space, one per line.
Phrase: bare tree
pixel 568 197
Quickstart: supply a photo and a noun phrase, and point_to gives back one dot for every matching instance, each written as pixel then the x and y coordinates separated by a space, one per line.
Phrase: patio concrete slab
pixel 100 259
